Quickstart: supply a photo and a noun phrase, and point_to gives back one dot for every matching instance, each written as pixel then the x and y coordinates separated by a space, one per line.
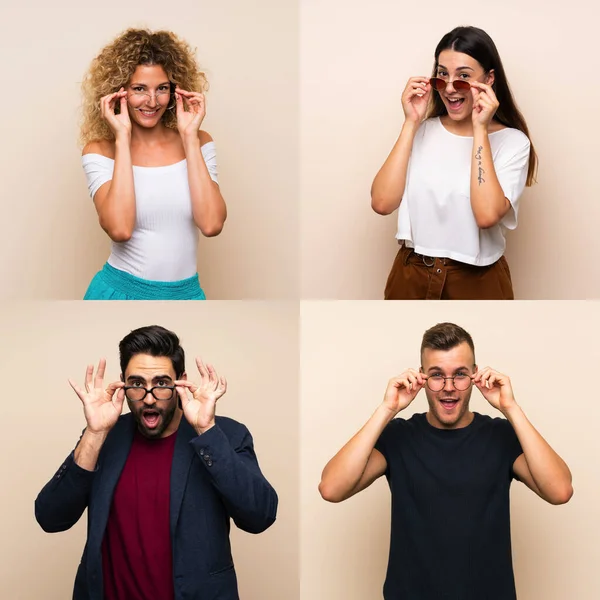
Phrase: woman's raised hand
pixel 415 98
pixel 119 123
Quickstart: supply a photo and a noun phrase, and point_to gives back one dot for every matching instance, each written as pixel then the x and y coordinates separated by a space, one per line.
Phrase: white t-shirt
pixel 435 216
pixel 164 242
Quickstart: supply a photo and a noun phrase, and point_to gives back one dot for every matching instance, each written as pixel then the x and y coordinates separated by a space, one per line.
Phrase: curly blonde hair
pixel 116 63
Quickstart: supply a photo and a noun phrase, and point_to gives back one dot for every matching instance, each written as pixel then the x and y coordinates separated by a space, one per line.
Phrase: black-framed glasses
pixel 136 393
pixel 460 382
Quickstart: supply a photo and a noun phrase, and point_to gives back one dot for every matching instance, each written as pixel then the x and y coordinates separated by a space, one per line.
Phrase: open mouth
pixel 455 103
pixel 150 418
pixel 449 403
pixel 149 113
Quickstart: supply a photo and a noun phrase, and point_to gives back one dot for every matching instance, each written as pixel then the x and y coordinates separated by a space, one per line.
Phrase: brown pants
pixel 417 277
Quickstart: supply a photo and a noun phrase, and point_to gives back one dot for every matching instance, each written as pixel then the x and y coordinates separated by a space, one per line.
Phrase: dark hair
pixel 155 341
pixel 479 45
pixel 445 336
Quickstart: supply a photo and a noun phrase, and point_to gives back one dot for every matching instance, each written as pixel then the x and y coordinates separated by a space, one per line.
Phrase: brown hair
pixel 445 336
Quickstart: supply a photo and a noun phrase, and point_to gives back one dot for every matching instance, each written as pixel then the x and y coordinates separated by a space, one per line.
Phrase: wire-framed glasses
pixel 439 84
pixel 461 382
pixel 137 393
pixel 162 95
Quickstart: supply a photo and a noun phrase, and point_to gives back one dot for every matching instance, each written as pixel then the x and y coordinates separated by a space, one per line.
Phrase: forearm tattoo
pixel 480 172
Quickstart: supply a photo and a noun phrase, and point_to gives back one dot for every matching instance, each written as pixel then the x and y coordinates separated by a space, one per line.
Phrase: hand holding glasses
pixel 113 109
pixel 101 406
pixel 200 409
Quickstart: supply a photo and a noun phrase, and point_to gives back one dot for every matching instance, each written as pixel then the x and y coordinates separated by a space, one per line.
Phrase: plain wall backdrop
pixel 355 62
pixel 249 50
pixel 254 345
pixel 550 352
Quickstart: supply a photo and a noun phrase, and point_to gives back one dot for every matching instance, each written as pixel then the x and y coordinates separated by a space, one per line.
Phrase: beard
pixel 152 421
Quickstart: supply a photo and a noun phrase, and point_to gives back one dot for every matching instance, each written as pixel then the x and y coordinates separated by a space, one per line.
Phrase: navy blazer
pixel 214 477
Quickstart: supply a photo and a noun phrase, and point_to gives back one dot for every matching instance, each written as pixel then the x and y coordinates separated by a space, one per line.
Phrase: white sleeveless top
pixel 164 242
pixel 435 216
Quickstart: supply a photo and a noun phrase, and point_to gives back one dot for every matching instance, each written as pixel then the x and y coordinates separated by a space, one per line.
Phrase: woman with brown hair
pixel 151 170
pixel 456 174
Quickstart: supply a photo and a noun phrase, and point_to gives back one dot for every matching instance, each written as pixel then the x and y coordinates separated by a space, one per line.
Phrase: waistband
pixel 144 289
pixel 410 255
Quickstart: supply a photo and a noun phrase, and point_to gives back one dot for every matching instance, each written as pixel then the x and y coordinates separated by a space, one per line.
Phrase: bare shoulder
pixel 103 147
pixel 205 137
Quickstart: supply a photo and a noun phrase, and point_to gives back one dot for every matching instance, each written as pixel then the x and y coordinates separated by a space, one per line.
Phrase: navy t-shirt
pixel 450 535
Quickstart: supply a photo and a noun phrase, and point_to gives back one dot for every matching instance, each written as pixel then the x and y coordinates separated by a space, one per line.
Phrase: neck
pixel 464 421
pixel 464 127
pixel 174 424
pixel 148 137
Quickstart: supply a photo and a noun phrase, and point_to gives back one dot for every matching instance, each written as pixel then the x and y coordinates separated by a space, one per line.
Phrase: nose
pixel 149 399
pixel 449 384
pixel 450 87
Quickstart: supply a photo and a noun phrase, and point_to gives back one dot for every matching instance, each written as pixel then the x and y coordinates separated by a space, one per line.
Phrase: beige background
pixel 549 350
pixel 52 243
pixel 356 60
pixel 255 345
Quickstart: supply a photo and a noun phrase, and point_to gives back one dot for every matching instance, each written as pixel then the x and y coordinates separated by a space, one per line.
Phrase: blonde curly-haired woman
pixel 151 170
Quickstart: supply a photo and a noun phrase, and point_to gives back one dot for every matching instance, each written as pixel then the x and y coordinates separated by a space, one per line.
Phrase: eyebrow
pixel 146 85
pixel 458 69
pixel 155 378
pixel 440 369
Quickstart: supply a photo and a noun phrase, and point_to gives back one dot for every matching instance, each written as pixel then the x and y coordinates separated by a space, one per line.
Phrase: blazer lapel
pixel 182 461
pixel 113 457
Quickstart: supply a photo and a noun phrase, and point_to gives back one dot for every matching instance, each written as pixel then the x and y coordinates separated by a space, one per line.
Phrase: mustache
pixel 150 411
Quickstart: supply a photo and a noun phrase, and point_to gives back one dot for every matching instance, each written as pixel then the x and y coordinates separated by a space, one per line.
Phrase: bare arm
pixel 389 183
pixel 208 206
pixel 115 200
pixel 88 449
pixel 488 202
pixel 358 464
pixel 539 467
pixel 388 186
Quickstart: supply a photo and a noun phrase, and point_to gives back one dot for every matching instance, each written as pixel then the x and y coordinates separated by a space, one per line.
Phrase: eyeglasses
pixel 461 382
pixel 136 393
pixel 439 84
pixel 162 95
pixel 138 95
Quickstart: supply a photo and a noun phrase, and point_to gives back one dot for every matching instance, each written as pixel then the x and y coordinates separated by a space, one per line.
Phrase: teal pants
pixel 114 284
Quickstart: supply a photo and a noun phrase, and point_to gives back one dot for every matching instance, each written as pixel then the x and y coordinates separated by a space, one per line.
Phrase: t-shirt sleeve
pixel 511 167
pixel 510 442
pixel 383 444
pixel 209 153
pixel 98 170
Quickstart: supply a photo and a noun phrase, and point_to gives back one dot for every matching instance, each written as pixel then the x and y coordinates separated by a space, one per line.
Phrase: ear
pixel 421 369
pixel 475 368
pixel 183 376
pixel 121 377
pixel 491 77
